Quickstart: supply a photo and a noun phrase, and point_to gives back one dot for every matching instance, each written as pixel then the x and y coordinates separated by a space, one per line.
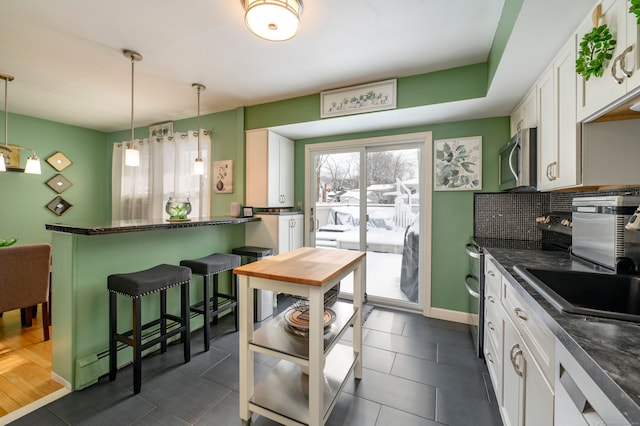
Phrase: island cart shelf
pixel 286 395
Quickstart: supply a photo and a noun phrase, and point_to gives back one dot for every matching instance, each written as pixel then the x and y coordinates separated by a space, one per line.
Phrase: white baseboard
pixel 23 411
pixel 455 316
pixel 58 379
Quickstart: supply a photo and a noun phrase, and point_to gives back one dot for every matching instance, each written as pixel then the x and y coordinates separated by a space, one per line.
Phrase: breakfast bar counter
pixel 84 255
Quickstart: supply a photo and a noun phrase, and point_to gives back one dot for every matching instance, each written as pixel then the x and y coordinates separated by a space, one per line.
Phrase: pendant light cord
pixel 199 149
pixel 6 111
pixel 133 63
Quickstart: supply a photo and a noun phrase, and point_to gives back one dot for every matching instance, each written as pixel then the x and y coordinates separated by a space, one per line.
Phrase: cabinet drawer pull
pixel 491 299
pixel 490 325
pixel 491 273
pixel 520 313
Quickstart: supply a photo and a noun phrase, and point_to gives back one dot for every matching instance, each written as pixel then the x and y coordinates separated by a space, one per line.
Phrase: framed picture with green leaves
pixel 458 164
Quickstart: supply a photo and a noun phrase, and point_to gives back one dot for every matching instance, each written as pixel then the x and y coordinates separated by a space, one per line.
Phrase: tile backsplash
pixel 511 215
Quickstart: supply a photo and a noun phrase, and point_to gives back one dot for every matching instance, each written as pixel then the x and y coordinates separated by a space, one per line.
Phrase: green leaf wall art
pixel 458 164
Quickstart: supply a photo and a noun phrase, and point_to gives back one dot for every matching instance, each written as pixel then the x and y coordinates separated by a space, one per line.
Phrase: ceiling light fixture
pixel 198 165
pixel 10 154
pixel 131 154
pixel 275 20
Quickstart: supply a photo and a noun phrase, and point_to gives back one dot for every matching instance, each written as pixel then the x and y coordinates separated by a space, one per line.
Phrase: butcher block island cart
pixel 286 394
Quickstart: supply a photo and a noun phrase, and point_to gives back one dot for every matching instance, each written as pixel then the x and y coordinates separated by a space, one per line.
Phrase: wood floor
pixel 25 363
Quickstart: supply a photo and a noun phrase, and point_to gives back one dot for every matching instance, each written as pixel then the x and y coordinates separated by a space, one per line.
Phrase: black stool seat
pixel 253 251
pixel 212 264
pixel 135 285
pixel 215 303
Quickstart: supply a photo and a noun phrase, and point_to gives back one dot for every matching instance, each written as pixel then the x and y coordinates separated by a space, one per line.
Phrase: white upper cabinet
pixel 525 115
pixel 269 169
pixel 621 72
pixel 558 153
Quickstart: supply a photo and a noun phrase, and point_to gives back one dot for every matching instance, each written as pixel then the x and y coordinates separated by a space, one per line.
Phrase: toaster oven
pixel 599 234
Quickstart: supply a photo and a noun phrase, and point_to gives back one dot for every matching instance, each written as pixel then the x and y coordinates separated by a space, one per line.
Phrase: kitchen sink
pixel 587 293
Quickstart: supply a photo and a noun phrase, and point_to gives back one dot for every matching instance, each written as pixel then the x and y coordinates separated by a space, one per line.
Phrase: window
pixel 166 170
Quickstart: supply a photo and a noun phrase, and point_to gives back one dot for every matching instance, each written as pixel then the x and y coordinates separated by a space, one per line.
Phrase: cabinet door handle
pixel 490 325
pixel 513 354
pixel 520 313
pixel 548 173
pixel 491 273
pixel 614 70
pixel 491 299
pixel 554 170
pixel 623 62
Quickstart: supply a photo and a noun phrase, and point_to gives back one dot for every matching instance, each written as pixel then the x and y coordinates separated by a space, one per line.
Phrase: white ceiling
pixel 67 57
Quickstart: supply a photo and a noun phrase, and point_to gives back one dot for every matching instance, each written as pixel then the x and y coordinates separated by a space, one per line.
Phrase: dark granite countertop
pixel 277 213
pixel 121 226
pixel 608 350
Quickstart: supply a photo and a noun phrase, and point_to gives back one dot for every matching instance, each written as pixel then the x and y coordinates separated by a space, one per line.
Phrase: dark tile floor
pixel 417 371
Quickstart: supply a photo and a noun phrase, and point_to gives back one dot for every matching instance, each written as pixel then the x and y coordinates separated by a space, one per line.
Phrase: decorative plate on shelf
pixel 297 317
pixel 59 161
pixel 58 205
pixel 59 183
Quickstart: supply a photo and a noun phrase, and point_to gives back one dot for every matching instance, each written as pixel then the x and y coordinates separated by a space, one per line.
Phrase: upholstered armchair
pixel 24 280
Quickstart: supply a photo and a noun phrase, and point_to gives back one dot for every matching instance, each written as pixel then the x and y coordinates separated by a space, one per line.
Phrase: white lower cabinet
pixel 527 395
pixel 282 233
pixel 519 350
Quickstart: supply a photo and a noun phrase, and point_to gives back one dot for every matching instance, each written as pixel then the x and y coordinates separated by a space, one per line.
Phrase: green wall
pixel 452 212
pixel 467 82
pixel 24 197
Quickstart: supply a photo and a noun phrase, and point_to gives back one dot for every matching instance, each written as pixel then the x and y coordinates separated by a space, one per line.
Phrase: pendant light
pixel 198 165
pixel 131 154
pixel 275 20
pixel 33 162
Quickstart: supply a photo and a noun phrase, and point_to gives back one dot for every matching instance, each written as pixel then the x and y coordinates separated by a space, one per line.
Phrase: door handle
pixel 614 70
pixel 623 62
pixel 513 354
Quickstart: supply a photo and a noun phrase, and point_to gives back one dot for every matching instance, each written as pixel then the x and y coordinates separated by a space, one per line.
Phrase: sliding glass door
pixel 367 197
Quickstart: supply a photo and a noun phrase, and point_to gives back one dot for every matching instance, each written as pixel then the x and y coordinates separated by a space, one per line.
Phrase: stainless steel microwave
pixel 518 162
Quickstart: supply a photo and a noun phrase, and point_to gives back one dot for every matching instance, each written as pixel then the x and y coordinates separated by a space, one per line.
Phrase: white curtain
pixel 166 170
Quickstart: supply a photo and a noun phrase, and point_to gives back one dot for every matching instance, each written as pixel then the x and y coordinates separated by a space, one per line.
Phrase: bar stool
pixel 215 303
pixel 135 285
pixel 265 300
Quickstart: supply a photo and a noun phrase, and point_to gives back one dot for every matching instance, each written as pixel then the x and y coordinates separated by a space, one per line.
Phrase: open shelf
pixel 285 390
pixel 276 338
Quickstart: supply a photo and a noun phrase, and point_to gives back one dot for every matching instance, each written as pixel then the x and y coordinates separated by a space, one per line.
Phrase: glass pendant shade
pixel 132 157
pixel 198 166
pixel 275 20
pixel 3 166
pixel 33 165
